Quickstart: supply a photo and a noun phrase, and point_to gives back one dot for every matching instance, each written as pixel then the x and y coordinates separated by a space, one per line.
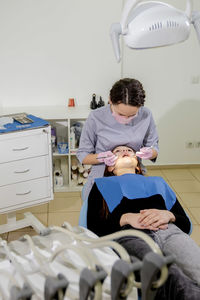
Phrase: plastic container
pixel 58 180
pixel 62 147
pixel 72 138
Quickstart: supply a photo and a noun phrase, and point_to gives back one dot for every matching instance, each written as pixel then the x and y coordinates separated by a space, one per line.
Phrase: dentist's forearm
pixel 90 159
pixel 155 154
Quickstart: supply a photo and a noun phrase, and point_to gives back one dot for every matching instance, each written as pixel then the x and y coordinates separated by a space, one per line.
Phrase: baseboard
pixel 182 166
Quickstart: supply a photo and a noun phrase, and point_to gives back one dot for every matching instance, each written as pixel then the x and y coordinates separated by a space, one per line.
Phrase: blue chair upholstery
pixel 83 214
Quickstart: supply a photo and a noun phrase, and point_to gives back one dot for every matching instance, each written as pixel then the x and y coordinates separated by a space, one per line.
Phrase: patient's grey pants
pixel 186 251
pixel 183 273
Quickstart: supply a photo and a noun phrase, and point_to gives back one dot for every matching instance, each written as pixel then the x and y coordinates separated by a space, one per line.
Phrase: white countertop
pixel 49 112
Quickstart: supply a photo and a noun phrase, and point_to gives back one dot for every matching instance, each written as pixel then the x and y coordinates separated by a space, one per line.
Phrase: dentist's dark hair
pixel 128 91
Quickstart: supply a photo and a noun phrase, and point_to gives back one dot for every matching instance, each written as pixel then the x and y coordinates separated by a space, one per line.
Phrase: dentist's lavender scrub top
pixel 101 132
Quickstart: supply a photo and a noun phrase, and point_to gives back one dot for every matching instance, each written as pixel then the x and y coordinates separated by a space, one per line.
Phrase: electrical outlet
pixel 189 145
pixel 195 79
pixel 197 144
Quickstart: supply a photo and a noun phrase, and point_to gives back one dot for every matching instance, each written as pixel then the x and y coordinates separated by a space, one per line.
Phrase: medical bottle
pixel 80 178
pixel 72 138
pixel 80 168
pixel 74 163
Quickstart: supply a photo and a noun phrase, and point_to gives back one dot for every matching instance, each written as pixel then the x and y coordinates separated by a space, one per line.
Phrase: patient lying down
pixel 124 199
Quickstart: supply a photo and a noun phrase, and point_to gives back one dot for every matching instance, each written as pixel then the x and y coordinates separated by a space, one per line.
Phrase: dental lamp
pixel 153 24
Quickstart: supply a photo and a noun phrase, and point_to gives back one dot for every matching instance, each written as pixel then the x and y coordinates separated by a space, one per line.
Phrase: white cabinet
pixel 23 144
pixel 25 168
pixel 62 118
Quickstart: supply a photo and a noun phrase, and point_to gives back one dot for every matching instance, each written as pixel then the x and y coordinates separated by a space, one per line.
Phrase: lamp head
pixel 152 24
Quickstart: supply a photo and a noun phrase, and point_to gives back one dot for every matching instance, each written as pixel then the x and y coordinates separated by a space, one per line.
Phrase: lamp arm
pixel 196 22
pixel 188 10
pixel 127 8
pixel 115 32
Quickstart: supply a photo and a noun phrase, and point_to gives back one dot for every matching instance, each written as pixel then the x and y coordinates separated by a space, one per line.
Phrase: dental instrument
pixel 113 236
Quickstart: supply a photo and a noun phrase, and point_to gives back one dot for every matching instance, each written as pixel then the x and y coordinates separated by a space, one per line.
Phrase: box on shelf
pixel 62 147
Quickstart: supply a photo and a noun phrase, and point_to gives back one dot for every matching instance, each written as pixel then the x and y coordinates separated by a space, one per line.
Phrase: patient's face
pixel 122 151
pixel 126 158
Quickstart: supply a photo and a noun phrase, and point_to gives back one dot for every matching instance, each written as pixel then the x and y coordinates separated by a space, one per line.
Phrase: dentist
pixel 124 121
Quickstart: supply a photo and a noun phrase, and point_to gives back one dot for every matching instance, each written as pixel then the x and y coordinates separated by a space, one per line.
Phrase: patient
pixel 128 200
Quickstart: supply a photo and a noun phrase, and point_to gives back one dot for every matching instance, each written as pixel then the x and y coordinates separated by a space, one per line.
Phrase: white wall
pixel 51 50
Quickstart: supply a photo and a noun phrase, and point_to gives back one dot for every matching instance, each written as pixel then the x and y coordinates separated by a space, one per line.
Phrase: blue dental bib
pixel 133 186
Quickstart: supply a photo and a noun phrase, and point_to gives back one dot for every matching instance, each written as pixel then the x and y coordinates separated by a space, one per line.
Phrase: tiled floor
pixel 66 206
pixel 186 184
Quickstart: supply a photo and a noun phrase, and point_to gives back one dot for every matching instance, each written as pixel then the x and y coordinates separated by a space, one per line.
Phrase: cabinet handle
pixel 21 149
pixel 25 171
pixel 21 194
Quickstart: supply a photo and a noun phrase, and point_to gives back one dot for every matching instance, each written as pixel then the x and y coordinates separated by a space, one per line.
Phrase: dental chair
pixel 147 271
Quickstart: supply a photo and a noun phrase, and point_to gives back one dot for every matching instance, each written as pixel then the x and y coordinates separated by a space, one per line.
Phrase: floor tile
pixel 195 235
pixel 191 216
pixel 181 201
pixel 67 195
pixel 178 174
pixel 195 172
pixel 4 236
pixel 15 235
pixel 72 203
pixel 35 209
pixel 59 218
pixel 188 186
pixel 156 172
pixel 27 229
pixel 190 199
pixel 3 219
pixel 43 217
pixel 196 213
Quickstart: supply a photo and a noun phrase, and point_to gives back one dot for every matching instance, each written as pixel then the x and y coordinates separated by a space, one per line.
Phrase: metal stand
pixel 29 220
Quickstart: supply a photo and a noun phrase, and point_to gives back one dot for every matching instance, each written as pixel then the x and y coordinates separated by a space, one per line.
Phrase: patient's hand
pixel 132 219
pixel 156 218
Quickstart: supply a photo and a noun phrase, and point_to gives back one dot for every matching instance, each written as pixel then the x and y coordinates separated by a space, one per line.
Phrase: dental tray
pixel 22 119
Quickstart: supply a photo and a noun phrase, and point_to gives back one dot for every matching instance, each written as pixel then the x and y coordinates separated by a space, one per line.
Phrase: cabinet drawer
pixel 14 146
pixel 23 170
pixel 20 194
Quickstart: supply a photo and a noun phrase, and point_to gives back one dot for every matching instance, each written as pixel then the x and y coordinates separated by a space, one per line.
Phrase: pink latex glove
pixel 108 158
pixel 145 153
